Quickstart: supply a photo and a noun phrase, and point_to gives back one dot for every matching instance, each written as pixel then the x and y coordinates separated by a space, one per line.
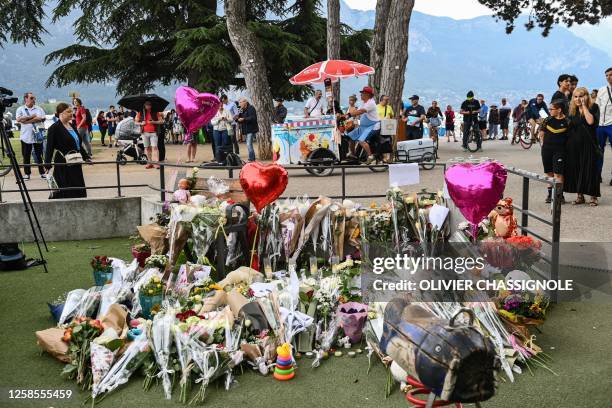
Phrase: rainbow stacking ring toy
pixel 284 369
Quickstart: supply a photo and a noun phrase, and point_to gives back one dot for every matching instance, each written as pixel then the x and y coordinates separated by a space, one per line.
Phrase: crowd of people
pixel 574 128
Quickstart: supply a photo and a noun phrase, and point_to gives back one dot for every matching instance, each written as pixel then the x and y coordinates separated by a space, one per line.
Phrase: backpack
pixel 11 258
pixel 88 118
pixel 233 160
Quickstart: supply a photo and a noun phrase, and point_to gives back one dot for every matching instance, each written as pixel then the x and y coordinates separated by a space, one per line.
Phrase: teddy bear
pixel 502 219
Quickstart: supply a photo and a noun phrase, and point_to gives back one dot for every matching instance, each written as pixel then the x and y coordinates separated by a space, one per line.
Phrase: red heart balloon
pixel 263 183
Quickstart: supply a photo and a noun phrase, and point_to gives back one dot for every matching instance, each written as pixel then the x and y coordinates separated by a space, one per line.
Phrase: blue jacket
pixel 534 108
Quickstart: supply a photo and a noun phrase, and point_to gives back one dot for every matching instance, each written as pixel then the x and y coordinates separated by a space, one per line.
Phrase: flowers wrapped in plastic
pixel 121 371
pixel 161 340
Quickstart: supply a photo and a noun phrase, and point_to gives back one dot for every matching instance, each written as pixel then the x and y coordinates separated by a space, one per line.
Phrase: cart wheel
pixel 320 162
pixel 428 161
pixel 378 161
pixel 142 159
pixel 121 159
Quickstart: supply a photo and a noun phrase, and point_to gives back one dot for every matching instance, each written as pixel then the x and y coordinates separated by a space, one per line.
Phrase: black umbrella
pixel 136 102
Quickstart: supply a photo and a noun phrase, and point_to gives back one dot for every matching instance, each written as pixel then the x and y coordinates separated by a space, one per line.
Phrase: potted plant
pixel 140 250
pixel 151 296
pixel 56 307
pixel 102 270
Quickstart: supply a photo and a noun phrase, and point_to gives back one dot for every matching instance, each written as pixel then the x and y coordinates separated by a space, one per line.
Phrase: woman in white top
pixel 222 122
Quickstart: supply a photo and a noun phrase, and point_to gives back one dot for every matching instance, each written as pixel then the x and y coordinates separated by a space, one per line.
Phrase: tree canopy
pixel 547 13
pixel 138 44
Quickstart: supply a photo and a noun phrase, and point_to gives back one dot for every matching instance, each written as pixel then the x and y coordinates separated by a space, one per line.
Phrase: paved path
pixel 579 223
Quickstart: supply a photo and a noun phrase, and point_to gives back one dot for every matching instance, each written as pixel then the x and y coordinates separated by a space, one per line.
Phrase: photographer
pixel 30 117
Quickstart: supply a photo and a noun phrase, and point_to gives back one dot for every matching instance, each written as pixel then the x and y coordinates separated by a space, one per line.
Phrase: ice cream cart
pixel 307 141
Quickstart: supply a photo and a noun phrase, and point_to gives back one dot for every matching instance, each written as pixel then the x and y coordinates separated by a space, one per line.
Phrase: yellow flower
pixel 373 205
pixel 159 285
pixel 150 291
pixel 156 279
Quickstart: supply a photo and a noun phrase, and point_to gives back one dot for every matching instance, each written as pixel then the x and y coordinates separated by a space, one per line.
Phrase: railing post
pixel 230 173
pixel 556 233
pixel 118 180
pixel 524 214
pixel 162 183
pixel 343 183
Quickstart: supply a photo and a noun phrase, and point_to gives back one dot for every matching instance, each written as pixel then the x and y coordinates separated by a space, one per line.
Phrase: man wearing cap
pixel 369 123
pixel 280 111
pixel 470 109
pixel 414 116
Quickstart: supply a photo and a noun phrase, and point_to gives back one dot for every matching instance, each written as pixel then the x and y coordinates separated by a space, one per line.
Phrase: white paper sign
pixel 404 174
pixel 437 215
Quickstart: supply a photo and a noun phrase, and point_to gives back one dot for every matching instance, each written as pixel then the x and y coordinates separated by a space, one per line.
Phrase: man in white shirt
pixel 315 106
pixel 234 111
pixel 368 126
pixel 31 118
pixel 604 100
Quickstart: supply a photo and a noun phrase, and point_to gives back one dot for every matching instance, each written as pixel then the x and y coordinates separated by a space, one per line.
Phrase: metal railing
pixel 554 221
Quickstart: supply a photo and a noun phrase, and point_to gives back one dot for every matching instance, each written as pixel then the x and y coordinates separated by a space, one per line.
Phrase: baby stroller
pixel 128 137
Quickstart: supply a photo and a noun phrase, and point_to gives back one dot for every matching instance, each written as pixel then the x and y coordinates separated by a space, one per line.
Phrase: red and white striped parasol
pixel 332 69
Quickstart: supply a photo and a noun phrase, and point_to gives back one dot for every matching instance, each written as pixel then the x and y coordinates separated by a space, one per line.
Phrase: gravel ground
pixel 579 223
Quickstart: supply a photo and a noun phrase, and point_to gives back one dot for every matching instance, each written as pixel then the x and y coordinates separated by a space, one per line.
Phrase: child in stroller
pixel 128 137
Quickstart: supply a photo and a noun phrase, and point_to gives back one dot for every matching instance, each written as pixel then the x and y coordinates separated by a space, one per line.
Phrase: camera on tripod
pixel 4 101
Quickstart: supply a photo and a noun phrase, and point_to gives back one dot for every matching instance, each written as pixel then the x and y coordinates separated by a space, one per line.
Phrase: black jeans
pixel 467 128
pixel 103 134
pixel 26 151
pixel 234 140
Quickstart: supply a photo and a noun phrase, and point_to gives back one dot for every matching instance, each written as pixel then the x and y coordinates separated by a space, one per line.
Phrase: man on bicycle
pixel 470 109
pixel 533 113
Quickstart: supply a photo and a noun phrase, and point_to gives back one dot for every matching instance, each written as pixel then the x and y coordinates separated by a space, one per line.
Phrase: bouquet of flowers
pixel 523 308
pixel 207 223
pixel 156 261
pixel 78 335
pixel 527 249
pixel 102 270
pixel 161 341
pixel 150 297
pixel 101 263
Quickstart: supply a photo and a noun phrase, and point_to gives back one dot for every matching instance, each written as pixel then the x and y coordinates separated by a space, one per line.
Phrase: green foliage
pixel 546 13
pixel 21 21
pixel 139 44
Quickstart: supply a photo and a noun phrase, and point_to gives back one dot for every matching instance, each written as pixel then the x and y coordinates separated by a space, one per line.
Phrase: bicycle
pixel 474 137
pixel 523 133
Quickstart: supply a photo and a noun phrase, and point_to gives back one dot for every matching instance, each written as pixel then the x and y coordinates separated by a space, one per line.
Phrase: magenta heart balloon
pixel 195 109
pixel 476 188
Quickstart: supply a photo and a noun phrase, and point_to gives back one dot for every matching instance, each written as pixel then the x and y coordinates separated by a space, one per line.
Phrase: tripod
pixel 25 194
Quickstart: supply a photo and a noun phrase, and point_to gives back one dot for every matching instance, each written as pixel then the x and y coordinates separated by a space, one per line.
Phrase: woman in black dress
pixel 62 138
pixel 581 174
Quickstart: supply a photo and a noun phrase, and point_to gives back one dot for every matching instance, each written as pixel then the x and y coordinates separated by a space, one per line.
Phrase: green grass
pixel 579 333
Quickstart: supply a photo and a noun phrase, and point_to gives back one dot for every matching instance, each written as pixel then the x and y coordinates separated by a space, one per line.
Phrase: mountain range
pixel 446 59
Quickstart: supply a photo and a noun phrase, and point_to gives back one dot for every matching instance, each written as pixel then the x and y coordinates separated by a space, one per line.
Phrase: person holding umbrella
pixel 149 120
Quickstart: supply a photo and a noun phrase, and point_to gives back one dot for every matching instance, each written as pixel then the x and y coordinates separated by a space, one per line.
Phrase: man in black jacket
pixel 247 119
pixel 280 112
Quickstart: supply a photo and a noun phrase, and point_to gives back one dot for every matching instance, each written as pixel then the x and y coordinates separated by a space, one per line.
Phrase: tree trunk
pixel 396 52
pixel 253 67
pixel 333 38
pixel 377 50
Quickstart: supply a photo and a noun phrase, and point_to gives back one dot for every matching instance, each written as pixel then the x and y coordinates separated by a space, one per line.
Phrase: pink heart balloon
pixel 195 109
pixel 476 188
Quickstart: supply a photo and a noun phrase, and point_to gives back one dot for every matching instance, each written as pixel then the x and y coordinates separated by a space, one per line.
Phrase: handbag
pixel 72 157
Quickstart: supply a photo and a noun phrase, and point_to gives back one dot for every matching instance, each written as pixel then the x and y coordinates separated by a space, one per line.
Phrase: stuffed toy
pixel 503 220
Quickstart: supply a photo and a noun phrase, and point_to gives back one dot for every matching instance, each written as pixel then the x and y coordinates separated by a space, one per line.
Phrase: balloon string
pixel 253 247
